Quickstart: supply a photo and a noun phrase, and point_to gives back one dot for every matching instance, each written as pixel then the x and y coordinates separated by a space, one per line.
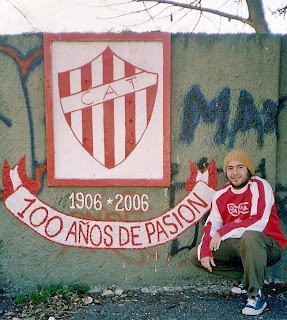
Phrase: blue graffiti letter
pixel 195 106
pixel 247 118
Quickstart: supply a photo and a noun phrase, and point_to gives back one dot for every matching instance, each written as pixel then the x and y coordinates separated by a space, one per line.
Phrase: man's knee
pixel 251 237
pixel 251 242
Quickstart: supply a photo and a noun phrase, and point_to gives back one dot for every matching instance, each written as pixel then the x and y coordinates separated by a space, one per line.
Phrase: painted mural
pixel 20 199
pixel 100 219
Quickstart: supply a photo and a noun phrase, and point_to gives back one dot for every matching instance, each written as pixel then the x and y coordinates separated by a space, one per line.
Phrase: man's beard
pixel 242 184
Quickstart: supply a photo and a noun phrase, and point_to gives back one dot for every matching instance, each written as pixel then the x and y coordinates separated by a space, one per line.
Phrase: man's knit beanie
pixel 240 156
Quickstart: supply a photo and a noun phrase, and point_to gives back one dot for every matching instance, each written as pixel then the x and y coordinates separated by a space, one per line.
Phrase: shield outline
pixel 87 87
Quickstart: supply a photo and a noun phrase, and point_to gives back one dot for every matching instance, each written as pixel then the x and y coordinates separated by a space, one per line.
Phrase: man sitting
pixel 243 229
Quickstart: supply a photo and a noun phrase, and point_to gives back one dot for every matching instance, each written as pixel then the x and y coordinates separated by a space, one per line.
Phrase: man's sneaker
pixel 239 289
pixel 255 305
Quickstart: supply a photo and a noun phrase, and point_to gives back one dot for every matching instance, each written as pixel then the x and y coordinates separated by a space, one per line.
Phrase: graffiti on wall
pixel 248 117
pixel 25 64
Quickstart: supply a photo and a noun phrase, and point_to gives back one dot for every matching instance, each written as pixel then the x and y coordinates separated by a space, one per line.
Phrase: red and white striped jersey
pixel 235 211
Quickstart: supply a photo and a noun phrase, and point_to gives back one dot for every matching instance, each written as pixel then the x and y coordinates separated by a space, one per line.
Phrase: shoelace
pixel 252 302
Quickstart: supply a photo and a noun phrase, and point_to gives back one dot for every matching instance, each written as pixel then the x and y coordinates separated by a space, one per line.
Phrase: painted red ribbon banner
pixel 71 231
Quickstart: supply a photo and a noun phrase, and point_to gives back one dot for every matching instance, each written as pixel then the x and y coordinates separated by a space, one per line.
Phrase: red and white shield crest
pixel 108 104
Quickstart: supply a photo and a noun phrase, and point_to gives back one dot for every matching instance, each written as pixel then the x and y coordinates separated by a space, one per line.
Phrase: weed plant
pixel 42 294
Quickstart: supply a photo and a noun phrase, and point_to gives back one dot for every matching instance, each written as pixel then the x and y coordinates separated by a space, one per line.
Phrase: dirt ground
pixel 212 302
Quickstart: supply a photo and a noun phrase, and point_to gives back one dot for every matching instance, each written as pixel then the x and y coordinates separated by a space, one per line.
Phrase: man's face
pixel 237 174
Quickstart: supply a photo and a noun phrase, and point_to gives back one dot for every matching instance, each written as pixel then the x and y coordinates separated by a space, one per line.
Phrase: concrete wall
pixel 226 92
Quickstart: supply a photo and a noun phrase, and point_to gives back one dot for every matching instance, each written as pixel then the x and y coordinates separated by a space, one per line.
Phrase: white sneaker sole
pixel 251 312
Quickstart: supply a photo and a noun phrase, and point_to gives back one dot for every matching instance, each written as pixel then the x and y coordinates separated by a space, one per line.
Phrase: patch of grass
pixel 42 294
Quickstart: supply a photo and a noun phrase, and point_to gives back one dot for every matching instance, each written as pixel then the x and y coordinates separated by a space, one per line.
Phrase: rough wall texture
pixel 226 92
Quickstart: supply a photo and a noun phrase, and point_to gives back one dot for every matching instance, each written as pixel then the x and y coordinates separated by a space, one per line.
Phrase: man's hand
pixel 215 242
pixel 208 263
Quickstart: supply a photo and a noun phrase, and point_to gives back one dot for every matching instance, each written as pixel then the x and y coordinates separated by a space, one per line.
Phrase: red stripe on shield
pixel 87 119
pixel 130 114
pixel 64 90
pixel 64 84
pixel 150 99
pixel 109 134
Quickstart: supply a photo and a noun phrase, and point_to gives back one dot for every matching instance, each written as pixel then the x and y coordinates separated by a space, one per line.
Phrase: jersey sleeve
pixel 212 224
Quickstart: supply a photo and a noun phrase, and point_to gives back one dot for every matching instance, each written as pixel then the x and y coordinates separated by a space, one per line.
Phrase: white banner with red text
pixel 71 231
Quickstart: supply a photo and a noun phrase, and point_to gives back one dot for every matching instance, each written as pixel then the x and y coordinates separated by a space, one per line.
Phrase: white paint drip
pixel 16 181
pixel 166 197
